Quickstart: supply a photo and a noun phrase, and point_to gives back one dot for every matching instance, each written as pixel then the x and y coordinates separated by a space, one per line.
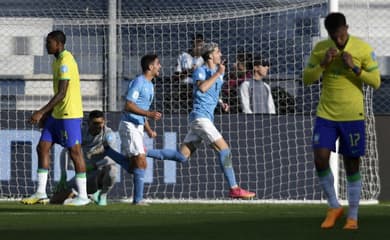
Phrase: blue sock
pixel 225 160
pixel 123 161
pixel 138 184
pixel 166 154
pixel 326 182
pixel 354 186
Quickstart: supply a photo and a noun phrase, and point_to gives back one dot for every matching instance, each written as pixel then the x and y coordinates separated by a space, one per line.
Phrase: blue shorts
pixel 66 132
pixel 351 134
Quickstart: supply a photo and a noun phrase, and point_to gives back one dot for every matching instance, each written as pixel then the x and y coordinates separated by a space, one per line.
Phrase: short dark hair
pixel 198 36
pixel 260 61
pixel 334 21
pixel 246 59
pixel 58 35
pixel 95 114
pixel 147 60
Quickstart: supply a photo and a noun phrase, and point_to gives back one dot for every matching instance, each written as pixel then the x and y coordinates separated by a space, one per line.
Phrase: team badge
pixel 201 75
pixel 135 95
pixel 64 68
pixel 373 56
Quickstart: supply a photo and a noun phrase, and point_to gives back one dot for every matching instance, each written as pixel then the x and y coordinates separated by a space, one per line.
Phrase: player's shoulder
pixel 66 56
pixel 108 130
pixel 139 80
pixel 109 134
pixel 202 68
pixel 359 42
pixel 200 73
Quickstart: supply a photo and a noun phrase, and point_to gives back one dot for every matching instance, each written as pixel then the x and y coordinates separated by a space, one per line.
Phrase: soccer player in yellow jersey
pixel 61 120
pixel 345 64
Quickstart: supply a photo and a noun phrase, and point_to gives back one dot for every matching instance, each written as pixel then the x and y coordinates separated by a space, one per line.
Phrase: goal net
pixel 272 153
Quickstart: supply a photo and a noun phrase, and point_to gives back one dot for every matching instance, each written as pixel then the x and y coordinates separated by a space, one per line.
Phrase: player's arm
pixel 131 98
pixel 205 84
pixel 371 77
pixel 225 106
pixel 368 72
pixel 133 108
pixel 316 66
pixel 62 88
pixel 151 133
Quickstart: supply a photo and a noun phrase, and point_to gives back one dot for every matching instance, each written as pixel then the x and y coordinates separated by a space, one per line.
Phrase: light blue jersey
pixel 205 103
pixel 140 92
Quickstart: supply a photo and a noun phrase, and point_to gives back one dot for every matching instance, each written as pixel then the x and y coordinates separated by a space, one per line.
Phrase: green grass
pixel 185 222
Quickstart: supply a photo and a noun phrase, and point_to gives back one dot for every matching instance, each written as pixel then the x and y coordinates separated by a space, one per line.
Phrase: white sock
pixel 81 182
pixel 42 180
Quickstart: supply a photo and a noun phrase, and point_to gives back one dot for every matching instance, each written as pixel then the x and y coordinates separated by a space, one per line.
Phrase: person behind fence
pixel 241 70
pixel 187 62
pixel 345 63
pixel 61 119
pixel 101 169
pixel 237 75
pixel 255 94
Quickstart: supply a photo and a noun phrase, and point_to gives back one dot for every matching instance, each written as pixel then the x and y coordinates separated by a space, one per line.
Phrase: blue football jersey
pixel 140 92
pixel 204 103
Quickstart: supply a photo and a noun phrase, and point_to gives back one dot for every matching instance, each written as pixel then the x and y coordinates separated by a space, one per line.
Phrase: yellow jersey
pixel 342 90
pixel 65 68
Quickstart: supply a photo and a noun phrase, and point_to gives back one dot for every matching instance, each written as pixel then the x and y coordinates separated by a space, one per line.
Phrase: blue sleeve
pixel 199 74
pixel 135 87
pixel 110 139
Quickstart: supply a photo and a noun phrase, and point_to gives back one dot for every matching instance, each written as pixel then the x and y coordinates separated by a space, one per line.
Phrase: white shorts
pixel 202 129
pixel 132 138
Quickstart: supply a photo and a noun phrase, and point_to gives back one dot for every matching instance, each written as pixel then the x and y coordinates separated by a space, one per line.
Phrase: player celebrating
pixel 345 63
pixel 207 81
pixel 134 120
pixel 63 123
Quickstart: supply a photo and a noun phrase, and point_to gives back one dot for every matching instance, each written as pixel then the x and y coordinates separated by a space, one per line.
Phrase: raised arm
pixel 206 84
pixel 317 64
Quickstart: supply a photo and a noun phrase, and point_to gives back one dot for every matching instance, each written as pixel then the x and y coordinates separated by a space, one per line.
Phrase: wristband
pixel 356 70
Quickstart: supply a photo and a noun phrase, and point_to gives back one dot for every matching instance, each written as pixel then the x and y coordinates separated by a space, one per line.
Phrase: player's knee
pixel 43 147
pixel 75 152
pixel 139 162
pixel 186 149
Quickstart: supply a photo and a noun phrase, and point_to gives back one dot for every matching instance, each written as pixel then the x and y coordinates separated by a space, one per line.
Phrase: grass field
pixel 185 221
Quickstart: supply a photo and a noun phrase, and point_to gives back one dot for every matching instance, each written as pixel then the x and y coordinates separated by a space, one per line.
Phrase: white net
pixel 271 153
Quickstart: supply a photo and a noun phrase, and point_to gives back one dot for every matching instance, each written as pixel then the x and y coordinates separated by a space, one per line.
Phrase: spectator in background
pixel 239 72
pixel 255 94
pixel 187 62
